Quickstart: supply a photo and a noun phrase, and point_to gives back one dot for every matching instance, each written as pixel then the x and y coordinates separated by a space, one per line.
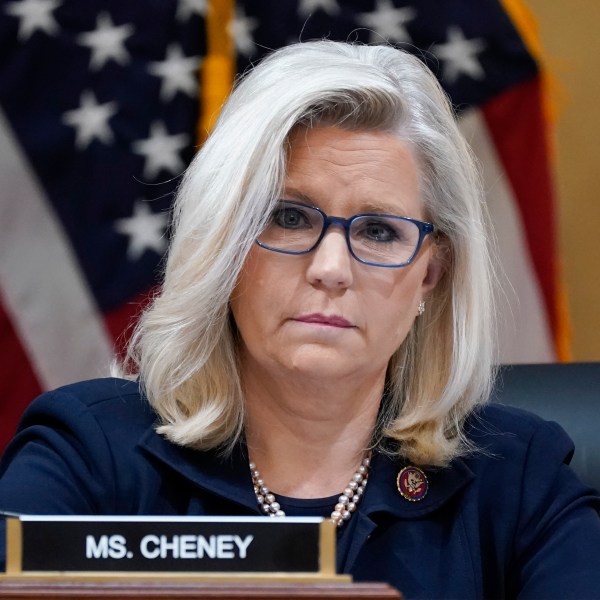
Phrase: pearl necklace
pixel 346 504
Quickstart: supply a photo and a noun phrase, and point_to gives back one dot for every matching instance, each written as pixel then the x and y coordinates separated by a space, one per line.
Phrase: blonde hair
pixel 183 348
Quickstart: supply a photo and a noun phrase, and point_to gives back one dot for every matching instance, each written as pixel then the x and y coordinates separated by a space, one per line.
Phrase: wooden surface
pixel 57 590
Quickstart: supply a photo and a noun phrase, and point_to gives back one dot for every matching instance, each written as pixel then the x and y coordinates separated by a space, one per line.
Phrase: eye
pixel 377 230
pixel 291 217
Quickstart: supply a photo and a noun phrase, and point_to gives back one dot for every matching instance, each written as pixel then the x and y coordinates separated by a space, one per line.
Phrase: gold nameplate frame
pixel 198 548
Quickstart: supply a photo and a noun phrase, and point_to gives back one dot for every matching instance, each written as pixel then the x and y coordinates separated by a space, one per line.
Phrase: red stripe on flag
pixel 516 123
pixel 18 381
pixel 120 321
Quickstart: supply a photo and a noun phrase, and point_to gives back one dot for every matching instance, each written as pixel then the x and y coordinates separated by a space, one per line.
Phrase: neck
pixel 306 437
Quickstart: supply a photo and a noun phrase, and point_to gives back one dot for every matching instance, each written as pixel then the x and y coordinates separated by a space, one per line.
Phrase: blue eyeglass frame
pixel 424 227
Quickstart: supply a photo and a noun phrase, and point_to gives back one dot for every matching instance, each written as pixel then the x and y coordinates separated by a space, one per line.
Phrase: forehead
pixel 353 170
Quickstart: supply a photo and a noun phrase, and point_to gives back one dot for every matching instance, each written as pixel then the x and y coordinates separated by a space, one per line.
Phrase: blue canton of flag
pixel 472 46
pixel 99 105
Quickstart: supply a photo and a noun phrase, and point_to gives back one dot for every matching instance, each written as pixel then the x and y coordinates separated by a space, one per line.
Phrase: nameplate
pixel 77 545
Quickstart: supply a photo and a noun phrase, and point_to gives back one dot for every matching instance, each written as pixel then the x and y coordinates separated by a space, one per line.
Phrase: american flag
pixel 99 106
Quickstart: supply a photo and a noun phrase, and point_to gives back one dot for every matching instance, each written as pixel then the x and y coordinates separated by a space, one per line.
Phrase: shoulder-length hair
pixel 184 346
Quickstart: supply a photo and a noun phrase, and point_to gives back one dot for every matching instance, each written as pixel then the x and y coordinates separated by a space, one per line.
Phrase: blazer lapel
pixel 382 500
pixel 226 476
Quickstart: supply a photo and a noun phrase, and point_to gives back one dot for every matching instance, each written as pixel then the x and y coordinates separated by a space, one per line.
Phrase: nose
pixel 330 262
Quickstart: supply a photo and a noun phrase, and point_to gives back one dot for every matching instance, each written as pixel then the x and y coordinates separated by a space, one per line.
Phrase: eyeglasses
pixel 373 239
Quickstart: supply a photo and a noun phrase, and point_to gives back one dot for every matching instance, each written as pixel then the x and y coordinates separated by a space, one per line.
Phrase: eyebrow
pixel 366 207
pixel 292 194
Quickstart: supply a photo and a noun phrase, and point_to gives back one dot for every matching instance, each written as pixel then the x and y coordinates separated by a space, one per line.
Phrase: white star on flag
pixel 146 231
pixel 460 55
pixel 161 150
pixel 178 73
pixel 90 120
pixel 240 29
pixel 34 15
pixel 187 8
pixel 107 42
pixel 307 7
pixel 388 22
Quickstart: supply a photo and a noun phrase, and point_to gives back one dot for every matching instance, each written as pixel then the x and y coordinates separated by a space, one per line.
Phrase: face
pixel 324 314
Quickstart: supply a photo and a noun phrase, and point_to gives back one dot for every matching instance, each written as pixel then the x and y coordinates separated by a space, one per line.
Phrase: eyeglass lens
pixel 296 228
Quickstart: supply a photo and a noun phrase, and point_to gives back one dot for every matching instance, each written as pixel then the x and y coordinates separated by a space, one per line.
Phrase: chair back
pixel 568 393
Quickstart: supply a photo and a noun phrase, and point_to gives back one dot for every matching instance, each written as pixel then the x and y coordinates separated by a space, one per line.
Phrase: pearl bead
pixel 346 505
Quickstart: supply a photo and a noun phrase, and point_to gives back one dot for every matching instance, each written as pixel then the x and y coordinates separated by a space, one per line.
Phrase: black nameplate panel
pixel 169 544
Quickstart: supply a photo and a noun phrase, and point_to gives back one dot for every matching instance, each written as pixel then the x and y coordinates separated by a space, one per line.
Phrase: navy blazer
pixel 512 520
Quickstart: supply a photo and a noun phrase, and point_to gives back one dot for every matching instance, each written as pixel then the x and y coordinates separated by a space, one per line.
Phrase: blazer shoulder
pixel 75 451
pixel 500 431
pixel 94 391
pixel 113 403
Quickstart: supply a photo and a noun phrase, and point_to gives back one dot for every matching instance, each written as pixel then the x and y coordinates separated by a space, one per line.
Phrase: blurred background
pixel 572 52
pixel 104 103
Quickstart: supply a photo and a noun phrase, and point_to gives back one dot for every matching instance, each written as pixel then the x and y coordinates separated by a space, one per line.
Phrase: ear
pixel 435 268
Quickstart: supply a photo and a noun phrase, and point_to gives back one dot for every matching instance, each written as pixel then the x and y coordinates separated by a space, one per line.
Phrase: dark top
pixel 510 521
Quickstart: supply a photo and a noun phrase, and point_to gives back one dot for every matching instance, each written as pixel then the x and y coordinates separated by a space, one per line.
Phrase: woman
pixel 322 345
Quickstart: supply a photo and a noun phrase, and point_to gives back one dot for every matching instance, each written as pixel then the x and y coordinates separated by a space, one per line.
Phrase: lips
pixel 319 319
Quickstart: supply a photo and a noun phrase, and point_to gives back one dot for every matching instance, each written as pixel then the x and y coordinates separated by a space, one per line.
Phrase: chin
pixel 323 363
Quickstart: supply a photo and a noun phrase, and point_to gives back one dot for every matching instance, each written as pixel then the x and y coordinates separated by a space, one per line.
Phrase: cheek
pixel 393 307
pixel 254 280
pixel 261 292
